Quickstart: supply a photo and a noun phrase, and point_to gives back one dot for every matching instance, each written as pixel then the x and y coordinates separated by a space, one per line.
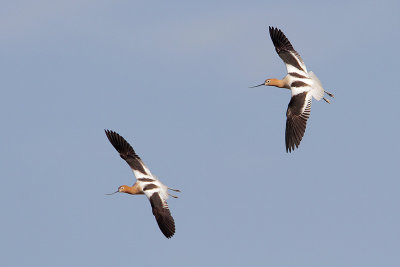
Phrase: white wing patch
pixel 299 90
pixel 291 68
pixel 139 174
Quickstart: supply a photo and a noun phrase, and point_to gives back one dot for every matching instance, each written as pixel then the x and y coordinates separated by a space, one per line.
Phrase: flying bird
pixel 146 183
pixel 303 85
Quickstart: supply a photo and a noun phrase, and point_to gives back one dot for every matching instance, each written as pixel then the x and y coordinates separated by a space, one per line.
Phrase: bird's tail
pixel 317 90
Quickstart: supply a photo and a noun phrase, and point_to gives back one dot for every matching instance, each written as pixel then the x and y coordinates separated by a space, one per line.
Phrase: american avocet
pixel 304 86
pixel 146 183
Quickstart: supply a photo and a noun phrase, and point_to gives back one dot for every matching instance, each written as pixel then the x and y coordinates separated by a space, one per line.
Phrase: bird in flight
pixel 146 183
pixel 303 85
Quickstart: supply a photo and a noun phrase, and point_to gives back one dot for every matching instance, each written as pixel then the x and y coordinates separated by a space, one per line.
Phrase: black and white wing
pixel 297 114
pixel 126 152
pixel 160 209
pixel 285 50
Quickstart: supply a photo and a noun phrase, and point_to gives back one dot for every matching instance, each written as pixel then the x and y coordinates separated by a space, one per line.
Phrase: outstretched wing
pixel 128 154
pixel 286 52
pixel 297 114
pixel 160 210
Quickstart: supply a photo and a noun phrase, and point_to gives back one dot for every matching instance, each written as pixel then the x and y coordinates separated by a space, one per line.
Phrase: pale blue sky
pixel 172 77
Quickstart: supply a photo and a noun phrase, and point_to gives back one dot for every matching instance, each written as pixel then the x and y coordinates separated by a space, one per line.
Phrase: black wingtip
pixel 110 133
pixel 289 150
pixel 279 39
pixel 163 216
pixel 119 143
pixel 273 30
pixel 277 35
pixel 126 151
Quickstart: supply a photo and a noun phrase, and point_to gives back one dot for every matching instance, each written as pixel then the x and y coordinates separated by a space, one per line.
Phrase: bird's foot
pixel 326 100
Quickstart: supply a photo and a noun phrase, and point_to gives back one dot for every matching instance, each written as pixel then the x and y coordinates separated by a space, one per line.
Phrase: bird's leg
pixel 330 94
pixel 172 195
pixel 326 100
pixel 176 190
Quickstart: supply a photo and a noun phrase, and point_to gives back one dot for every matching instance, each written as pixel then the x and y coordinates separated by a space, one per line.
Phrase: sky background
pixel 172 77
